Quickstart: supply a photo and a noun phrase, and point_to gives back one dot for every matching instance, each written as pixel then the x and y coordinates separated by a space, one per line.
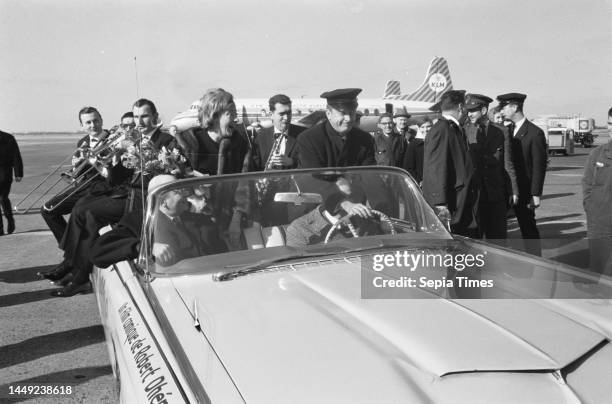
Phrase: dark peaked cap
pixel 477 101
pixel 511 98
pixel 452 98
pixel 342 97
pixel 435 107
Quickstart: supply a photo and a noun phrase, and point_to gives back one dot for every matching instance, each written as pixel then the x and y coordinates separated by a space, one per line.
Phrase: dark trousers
pixel 601 255
pixel 5 203
pixel 529 230
pixel 492 223
pixel 88 216
pixel 53 211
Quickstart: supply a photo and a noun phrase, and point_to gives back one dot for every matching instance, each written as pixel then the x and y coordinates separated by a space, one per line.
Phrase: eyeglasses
pixel 386 123
pixel 127 125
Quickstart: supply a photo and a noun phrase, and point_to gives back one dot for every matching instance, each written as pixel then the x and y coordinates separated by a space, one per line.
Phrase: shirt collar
pixel 149 134
pixel 518 125
pixel 451 118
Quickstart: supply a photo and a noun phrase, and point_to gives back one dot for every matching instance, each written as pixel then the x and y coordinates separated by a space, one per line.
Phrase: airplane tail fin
pixel 437 82
pixel 392 88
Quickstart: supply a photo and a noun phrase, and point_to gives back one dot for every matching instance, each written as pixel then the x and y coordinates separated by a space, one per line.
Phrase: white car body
pixel 299 330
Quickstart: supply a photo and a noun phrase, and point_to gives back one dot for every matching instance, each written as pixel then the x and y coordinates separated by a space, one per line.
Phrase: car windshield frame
pixel 241 257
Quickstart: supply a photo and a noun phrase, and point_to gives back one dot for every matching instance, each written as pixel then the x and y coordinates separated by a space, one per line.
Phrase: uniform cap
pixel 342 98
pixel 477 101
pixel 511 98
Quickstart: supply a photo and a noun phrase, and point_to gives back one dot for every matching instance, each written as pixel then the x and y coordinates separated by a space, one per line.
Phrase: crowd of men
pixel 471 167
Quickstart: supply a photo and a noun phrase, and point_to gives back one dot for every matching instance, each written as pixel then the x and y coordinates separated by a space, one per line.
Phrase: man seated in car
pixel 181 234
pixel 348 199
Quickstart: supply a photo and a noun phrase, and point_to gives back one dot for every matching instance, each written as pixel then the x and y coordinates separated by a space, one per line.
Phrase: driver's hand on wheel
pixel 163 252
pixel 356 209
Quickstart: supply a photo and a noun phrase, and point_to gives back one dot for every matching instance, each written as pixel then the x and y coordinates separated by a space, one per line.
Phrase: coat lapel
pixel 523 130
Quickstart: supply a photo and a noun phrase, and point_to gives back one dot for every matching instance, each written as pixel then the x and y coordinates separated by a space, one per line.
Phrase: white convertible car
pixel 260 288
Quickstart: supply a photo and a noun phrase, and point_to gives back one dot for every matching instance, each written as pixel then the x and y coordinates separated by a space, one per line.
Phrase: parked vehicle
pixel 286 319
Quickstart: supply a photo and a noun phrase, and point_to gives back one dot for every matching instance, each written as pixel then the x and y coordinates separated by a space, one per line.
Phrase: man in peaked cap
pixel 529 157
pixel 336 142
pixel 447 167
pixel 494 179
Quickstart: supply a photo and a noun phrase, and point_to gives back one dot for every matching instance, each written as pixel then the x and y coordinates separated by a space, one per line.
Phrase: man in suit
pixel 275 147
pixel 529 157
pixel 389 145
pixel 10 161
pixel 494 179
pixel 54 209
pixel 447 167
pixel 104 205
pixel 336 142
pixel 180 234
pixel 400 118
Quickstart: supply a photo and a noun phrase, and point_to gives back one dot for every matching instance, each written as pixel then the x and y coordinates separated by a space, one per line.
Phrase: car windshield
pixel 207 224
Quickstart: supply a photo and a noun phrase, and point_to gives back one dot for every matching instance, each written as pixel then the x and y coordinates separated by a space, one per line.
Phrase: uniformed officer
pixel 597 199
pixel 529 158
pixel 494 177
pixel 10 161
pixel 336 142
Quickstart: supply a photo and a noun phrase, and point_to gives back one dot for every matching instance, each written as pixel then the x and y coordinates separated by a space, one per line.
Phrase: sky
pixel 60 56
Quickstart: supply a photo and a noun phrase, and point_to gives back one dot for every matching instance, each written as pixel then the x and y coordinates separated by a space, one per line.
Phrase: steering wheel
pixel 346 221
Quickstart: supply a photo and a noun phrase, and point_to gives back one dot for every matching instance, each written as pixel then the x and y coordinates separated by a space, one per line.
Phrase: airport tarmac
pixel 61 342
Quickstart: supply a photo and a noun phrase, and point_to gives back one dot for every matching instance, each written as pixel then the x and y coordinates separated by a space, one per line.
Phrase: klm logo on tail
pixel 437 81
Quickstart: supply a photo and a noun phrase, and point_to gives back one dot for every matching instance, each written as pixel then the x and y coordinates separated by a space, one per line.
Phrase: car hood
pixel 308 333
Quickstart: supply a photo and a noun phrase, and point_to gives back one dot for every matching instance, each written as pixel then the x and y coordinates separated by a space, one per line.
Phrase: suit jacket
pixel 390 151
pixel 265 140
pixel 196 236
pixel 530 158
pixel 448 171
pixel 413 159
pixel 10 158
pixel 494 177
pixel 320 146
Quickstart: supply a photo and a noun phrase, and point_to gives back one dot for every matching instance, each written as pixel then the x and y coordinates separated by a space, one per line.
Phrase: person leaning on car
pixel 597 202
